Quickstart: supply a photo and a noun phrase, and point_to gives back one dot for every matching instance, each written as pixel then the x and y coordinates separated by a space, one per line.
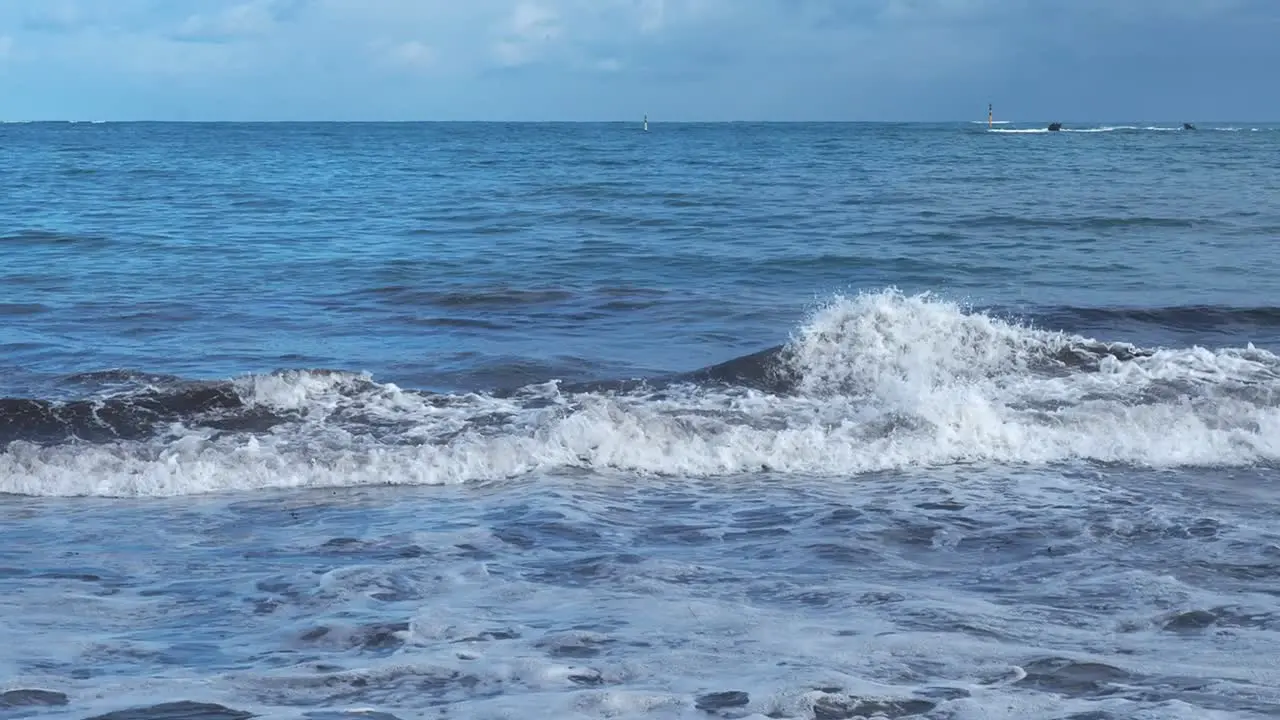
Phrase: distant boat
pixel 1055 127
pixel 1188 126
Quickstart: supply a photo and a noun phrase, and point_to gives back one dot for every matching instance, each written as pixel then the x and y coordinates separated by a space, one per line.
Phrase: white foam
pixel 887 382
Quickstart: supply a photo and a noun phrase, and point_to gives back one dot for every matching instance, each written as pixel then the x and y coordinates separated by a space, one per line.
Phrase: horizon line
pixel 24 121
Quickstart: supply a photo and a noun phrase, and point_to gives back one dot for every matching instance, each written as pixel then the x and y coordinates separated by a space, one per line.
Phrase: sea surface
pixel 817 421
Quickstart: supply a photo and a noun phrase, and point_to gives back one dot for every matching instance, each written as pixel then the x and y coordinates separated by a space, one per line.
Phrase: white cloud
pixel 690 58
pixel 54 15
pixel 530 19
pixel 250 18
pixel 412 55
pixel 525 33
pixel 652 14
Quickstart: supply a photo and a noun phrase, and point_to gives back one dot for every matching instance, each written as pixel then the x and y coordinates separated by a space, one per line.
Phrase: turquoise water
pixel 485 420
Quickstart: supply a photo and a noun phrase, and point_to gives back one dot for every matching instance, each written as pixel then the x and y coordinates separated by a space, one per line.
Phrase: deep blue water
pixel 425 253
pixel 574 420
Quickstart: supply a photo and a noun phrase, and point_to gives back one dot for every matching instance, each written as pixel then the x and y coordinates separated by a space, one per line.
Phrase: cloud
pixel 525 33
pixel 652 14
pixel 697 59
pixel 53 16
pixel 412 54
pixel 245 19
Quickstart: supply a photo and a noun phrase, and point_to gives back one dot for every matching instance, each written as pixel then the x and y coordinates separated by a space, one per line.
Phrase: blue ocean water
pixel 574 420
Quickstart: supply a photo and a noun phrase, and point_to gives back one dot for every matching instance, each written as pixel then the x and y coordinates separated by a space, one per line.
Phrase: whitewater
pixel 872 383
pixel 360 421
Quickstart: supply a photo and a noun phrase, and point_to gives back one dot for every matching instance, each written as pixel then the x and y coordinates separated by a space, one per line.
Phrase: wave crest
pixel 874 382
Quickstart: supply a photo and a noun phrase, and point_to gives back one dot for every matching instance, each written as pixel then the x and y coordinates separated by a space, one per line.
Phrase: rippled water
pixel 578 421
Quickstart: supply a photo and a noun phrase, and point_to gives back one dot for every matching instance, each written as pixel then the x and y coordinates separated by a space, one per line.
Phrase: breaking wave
pixel 869 383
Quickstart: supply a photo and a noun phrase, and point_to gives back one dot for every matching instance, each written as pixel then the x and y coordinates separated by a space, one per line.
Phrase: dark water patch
pixel 762 518
pixel 844 554
pixel 129 417
pixel 879 597
pixel 377 638
pixel 1236 571
pixel 845 707
pixel 120 376
pixel 252 202
pixel 576 536
pixel 14 309
pixel 471 552
pixel 616 306
pixel 519 537
pixel 1191 621
pixel 577 645
pixel 32 698
pixel 143 405
pixel 1199 318
pixel 579 572
pixel 1007 545
pixel 349 715
pixel 907 533
pixel 764 370
pixel 679 534
pixel 842 516
pixel 630 291
pixel 181 710
pixel 371 550
pixel 712 702
pixel 1195 621
pixel 818 598
pixel 945 693
pixel 53 238
pixel 758 534
pixel 497 298
pixel 189 591
pixel 68 575
pixel 945 505
pixel 1086 223
pixel 1151 530
pixel 432 685
pixel 459 323
pixel 490 635
pixel 1075 679
pixel 587 677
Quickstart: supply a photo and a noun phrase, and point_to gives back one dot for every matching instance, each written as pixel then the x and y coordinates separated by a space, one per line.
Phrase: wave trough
pixel 869 383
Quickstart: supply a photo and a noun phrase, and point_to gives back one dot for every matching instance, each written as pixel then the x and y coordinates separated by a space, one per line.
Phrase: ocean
pixel 425 420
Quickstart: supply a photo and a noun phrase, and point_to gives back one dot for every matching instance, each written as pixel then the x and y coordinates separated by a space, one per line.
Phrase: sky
pixel 1074 60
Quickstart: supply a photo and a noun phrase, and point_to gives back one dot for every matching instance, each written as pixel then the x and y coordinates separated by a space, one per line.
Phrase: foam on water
pixel 987 595
pixel 875 382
